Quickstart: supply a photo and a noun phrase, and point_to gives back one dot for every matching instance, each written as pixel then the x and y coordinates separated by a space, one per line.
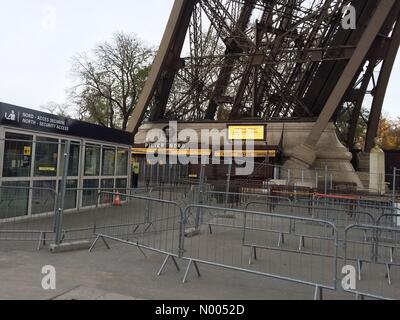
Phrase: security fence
pixel 15 227
pixel 260 243
pixel 300 238
pixel 375 250
pixel 148 222
pixel 293 248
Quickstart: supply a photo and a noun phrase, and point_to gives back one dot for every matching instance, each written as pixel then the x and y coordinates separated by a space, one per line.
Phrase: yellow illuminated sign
pixel 48 169
pixel 27 151
pixel 256 133
pixel 246 154
pixel 207 152
pixel 172 152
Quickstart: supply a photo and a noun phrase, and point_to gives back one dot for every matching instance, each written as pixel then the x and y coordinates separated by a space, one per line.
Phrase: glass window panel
pixel 73 165
pixel 90 193
pixel 14 201
pixel 122 162
pixel 46 157
pixel 70 194
pixel 108 162
pixel 121 187
pixel 17 156
pixel 43 198
pixel 92 160
pixel 107 185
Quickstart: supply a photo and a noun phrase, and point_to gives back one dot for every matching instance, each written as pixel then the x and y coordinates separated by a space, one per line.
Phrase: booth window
pixel 92 160
pixel 14 199
pixel 107 185
pixel 17 156
pixel 121 187
pixel 90 193
pixel 43 197
pixel 122 162
pixel 46 157
pixel 70 194
pixel 108 168
pixel 73 165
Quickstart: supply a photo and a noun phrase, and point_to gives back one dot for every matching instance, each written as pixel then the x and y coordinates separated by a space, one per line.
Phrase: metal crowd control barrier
pixel 375 246
pixel 241 199
pixel 146 223
pixel 389 220
pixel 363 296
pixel 340 218
pixel 296 242
pixel 238 239
pixel 356 204
pixel 16 225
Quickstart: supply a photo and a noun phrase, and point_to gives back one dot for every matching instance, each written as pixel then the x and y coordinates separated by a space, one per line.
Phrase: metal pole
pixel 61 195
pixel 394 185
pixel 200 194
pixel 276 173
pixel 326 179
pixel 228 184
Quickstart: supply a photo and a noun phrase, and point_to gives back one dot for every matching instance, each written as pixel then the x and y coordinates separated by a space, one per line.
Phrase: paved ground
pixel 125 271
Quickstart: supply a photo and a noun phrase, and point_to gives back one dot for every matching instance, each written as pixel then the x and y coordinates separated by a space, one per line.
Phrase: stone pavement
pixel 124 272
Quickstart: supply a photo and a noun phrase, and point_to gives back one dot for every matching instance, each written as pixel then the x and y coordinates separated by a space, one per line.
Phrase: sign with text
pixel 247 132
pixel 23 118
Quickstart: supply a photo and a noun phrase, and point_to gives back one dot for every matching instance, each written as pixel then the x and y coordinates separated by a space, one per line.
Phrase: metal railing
pixel 240 231
pixel 296 239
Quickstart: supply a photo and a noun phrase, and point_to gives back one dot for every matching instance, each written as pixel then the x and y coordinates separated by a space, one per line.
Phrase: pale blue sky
pixel 38 39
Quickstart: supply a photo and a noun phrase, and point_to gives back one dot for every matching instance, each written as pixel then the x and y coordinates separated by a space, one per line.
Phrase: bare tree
pixel 58 109
pixel 110 80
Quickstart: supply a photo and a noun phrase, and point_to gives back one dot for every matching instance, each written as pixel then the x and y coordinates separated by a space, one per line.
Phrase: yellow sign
pixel 49 169
pixel 172 152
pixel 136 167
pixel 27 151
pixel 246 154
pixel 256 133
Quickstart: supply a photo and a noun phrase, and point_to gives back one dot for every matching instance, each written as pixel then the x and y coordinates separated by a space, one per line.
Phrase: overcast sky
pixel 38 39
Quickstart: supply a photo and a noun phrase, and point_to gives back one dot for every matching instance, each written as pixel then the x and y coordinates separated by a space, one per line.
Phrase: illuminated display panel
pixel 241 132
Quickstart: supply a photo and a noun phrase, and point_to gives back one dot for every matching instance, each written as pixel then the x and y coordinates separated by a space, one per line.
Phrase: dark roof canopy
pixel 29 119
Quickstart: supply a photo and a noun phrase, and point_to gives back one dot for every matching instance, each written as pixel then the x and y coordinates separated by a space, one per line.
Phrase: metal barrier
pixel 238 239
pixel 389 220
pixel 362 296
pixel 374 247
pixel 351 205
pixel 292 241
pixel 236 199
pixel 290 248
pixel 340 218
pixel 145 223
pixel 15 224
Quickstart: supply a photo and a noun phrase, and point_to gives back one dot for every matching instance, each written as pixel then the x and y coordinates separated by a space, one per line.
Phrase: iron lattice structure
pixel 273 59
